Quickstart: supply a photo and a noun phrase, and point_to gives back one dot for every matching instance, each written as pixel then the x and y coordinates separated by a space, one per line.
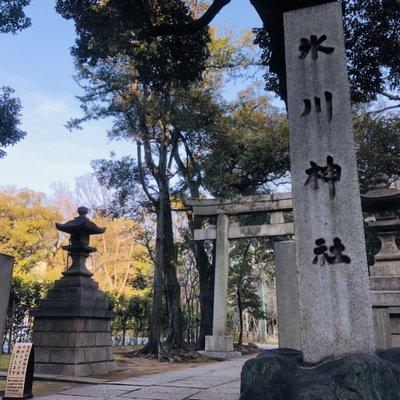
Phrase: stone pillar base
pixel 220 347
pixel 219 343
pixel 226 355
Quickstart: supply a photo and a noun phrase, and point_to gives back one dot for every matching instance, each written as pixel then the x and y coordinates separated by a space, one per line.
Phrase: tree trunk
pixel 173 290
pixel 165 260
pixel 240 311
pixel 205 268
pixel 206 282
pixel 152 346
pixel 10 335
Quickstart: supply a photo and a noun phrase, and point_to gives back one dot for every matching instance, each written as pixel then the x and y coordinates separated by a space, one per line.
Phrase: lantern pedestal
pixel 72 330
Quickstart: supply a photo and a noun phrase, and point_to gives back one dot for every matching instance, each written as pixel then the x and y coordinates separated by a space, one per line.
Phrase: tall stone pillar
pixel 334 302
pixel 6 269
pixel 221 276
pixel 220 343
pixel 287 294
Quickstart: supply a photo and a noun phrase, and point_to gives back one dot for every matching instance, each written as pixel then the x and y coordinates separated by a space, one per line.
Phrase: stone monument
pixel 382 201
pixel 6 269
pixel 72 326
pixel 334 302
pixel 335 315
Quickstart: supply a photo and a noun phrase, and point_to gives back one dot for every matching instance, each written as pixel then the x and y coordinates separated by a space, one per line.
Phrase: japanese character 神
pixel 330 174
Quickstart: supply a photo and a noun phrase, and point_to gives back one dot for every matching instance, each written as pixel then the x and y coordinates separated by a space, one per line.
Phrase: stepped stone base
pixel 72 330
pixel 385 299
pixel 73 346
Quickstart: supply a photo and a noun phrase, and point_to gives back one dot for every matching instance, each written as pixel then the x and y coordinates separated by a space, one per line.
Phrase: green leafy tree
pixel 245 151
pixel 250 152
pixel 12 16
pixel 118 28
pixel 372 48
pixel 378 147
pixel 193 130
pixel 372 37
pixel 161 127
pixel 10 119
pixel 132 314
pixel 205 140
pixel 372 31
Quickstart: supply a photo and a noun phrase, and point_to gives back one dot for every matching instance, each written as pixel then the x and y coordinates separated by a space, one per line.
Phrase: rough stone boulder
pixel 279 375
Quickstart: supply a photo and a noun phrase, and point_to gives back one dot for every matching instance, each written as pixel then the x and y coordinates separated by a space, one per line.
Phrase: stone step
pixel 383 283
pixel 385 269
pixel 385 298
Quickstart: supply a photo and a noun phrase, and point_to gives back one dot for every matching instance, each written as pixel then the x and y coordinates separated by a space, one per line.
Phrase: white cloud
pixel 52 108
pixel 50 153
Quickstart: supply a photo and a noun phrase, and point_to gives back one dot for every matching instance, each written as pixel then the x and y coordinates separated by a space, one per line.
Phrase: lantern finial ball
pixel 82 211
pixel 380 181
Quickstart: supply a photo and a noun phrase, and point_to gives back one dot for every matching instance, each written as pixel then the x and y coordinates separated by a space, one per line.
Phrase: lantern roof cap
pixel 381 197
pixel 80 224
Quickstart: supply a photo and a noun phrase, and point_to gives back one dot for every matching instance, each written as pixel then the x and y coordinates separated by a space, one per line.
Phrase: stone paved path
pixel 216 381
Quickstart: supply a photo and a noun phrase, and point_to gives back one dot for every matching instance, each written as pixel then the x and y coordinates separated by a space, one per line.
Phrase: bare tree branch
pixel 143 181
pixel 193 161
pixel 235 65
pixel 193 27
pixel 383 109
pixel 391 96
pixel 149 247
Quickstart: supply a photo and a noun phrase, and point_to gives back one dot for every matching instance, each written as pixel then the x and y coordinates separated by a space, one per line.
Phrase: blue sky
pixel 37 64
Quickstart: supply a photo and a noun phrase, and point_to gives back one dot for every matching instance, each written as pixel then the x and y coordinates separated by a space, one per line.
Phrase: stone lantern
pixel 382 202
pixel 72 325
pixel 80 230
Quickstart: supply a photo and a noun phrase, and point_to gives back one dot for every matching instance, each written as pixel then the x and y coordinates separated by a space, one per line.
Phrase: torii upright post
pixel 220 343
pixel 334 302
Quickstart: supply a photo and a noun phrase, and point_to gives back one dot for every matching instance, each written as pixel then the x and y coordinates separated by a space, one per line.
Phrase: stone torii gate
pixel 219 343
